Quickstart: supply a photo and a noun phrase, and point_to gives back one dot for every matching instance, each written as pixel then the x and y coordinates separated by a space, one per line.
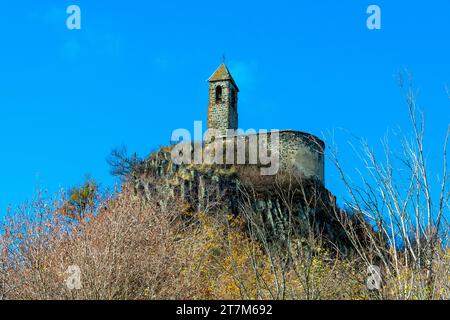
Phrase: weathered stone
pixel 301 155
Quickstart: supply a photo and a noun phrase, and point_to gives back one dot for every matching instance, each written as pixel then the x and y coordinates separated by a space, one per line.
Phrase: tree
pixel 123 165
pixel 81 200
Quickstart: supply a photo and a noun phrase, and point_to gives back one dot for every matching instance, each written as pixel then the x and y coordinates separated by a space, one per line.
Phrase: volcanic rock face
pixel 277 203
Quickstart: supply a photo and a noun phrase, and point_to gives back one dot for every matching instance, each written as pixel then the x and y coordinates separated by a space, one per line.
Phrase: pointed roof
pixel 222 73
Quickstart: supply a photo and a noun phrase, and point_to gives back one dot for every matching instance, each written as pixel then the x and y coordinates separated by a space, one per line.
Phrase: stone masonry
pixel 239 188
pixel 301 153
pixel 222 108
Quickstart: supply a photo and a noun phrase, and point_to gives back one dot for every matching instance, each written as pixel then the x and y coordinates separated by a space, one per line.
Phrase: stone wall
pixel 303 153
pixel 299 153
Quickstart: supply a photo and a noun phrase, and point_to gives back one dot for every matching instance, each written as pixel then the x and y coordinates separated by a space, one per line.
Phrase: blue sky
pixel 137 70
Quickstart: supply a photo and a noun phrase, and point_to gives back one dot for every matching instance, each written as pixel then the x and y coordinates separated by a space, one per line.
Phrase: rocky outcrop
pixel 279 204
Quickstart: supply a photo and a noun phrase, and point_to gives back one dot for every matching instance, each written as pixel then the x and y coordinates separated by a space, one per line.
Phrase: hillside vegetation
pixel 154 245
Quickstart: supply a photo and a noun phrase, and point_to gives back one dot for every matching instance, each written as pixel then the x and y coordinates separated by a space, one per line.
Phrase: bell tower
pixel 223 99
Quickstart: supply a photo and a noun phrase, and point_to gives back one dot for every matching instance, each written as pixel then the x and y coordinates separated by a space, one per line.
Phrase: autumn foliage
pixel 133 249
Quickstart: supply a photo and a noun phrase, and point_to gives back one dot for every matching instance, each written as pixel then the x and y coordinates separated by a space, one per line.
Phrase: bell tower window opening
pixel 218 94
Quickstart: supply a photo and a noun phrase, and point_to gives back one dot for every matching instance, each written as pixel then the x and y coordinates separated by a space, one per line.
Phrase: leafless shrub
pixel 398 198
pixel 123 165
pixel 130 249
